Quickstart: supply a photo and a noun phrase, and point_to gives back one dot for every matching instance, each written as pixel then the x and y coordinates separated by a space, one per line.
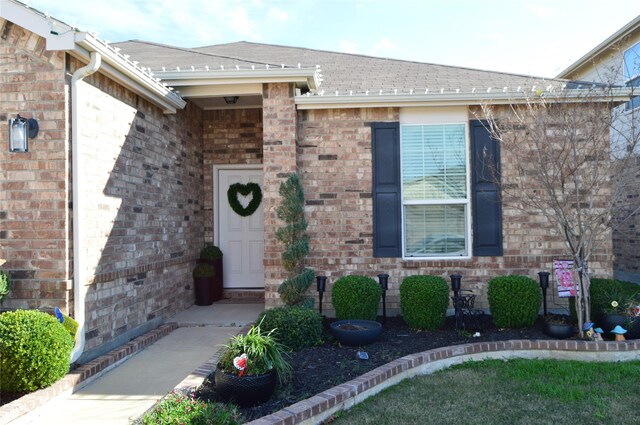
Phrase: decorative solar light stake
pixel 456 281
pixel 20 131
pixel 544 284
pixel 321 282
pixel 384 284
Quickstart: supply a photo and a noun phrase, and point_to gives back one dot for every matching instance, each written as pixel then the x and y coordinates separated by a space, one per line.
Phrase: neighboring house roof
pixel 587 59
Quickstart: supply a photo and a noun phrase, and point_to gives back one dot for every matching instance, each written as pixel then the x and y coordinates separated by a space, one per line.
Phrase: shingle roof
pixel 341 71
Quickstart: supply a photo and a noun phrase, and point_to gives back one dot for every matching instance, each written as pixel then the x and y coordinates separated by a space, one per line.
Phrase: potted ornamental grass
pixel 250 368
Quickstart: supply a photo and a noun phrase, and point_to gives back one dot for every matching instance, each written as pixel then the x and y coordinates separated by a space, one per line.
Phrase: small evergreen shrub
pixel 5 284
pixel 356 297
pixel 210 252
pixel 294 327
pixel 514 301
pixel 204 270
pixel 35 350
pixel 178 408
pixel 424 301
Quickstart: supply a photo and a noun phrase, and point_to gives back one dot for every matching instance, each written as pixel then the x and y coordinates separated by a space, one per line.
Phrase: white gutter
pixel 127 73
pixel 79 290
pixel 310 77
pixel 458 99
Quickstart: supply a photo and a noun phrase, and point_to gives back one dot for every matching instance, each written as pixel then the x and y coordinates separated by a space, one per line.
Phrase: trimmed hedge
pixel 514 301
pixel 424 301
pixel 295 327
pixel 35 349
pixel 210 252
pixel 356 297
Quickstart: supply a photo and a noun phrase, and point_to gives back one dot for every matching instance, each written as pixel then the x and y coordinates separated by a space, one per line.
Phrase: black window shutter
pixel 387 196
pixel 486 202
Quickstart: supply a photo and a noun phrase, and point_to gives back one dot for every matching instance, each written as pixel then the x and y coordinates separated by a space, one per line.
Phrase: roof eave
pixel 126 73
pixel 602 47
pixel 308 77
pixel 457 99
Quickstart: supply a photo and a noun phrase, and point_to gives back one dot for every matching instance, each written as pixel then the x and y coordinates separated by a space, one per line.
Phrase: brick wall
pixel 142 207
pixel 229 137
pixel 34 186
pixel 280 159
pixel 334 155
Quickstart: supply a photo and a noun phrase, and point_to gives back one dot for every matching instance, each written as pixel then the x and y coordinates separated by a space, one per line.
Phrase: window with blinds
pixel 435 201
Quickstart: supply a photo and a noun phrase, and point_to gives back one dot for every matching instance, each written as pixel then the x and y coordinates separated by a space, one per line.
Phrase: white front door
pixel 241 239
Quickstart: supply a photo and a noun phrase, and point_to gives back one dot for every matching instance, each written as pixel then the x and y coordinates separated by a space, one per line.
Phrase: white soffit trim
pixel 221 90
pixel 308 76
pixel 455 99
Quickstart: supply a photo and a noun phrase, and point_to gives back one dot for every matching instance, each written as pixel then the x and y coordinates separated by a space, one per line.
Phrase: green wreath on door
pixel 244 190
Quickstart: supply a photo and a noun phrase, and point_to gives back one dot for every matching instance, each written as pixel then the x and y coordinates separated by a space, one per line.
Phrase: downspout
pixel 79 292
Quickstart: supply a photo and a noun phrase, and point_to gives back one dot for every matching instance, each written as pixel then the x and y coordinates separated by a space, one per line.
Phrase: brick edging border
pixel 316 409
pixel 83 375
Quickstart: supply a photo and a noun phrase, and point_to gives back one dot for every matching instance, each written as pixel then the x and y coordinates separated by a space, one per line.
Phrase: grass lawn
pixel 509 392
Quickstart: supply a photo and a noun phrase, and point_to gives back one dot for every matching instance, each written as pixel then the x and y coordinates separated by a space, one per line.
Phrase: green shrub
pixel 178 408
pixel 356 297
pixel 294 327
pixel 35 350
pixel 5 284
pixel 210 252
pixel 204 270
pixel 424 301
pixel 514 301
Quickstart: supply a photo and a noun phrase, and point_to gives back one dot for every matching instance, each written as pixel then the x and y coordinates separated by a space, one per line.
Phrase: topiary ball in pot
pixel 210 252
pixel 35 350
pixel 424 301
pixel 356 297
pixel 294 327
pixel 514 301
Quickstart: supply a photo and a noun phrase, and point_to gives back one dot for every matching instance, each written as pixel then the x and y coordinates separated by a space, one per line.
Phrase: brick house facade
pixel 148 204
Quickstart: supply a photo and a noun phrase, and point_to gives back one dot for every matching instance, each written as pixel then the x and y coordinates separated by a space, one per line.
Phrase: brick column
pixel 279 160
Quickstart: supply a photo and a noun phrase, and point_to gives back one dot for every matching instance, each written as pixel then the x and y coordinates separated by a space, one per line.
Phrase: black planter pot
pixel 559 330
pixel 247 390
pixel 608 322
pixel 356 332
pixel 211 290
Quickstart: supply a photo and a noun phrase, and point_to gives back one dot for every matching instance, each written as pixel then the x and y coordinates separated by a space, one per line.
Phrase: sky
pixel 538 38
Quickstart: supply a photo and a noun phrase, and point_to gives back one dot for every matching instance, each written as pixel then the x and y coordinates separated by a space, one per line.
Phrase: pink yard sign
pixel 563 270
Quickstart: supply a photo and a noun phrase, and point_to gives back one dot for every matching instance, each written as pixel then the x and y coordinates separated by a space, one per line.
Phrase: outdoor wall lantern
pixel 321 282
pixel 20 131
pixel 231 100
pixel 384 284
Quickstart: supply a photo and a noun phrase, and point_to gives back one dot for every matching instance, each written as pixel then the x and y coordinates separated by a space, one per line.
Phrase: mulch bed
pixel 319 368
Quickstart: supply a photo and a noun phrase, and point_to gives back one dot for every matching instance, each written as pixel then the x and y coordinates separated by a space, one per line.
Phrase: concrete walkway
pixel 124 393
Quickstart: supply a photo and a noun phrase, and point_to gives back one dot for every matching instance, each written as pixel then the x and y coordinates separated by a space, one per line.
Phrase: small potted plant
pixel 559 326
pixel 212 255
pixel 5 283
pixel 250 367
pixel 614 312
pixel 204 284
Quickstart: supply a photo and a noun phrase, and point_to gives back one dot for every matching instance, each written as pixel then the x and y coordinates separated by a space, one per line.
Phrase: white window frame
pixel 467 203
pixel 624 64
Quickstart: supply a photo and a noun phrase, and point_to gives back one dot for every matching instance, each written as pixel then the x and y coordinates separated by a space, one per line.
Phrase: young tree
pixel 296 241
pixel 561 165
